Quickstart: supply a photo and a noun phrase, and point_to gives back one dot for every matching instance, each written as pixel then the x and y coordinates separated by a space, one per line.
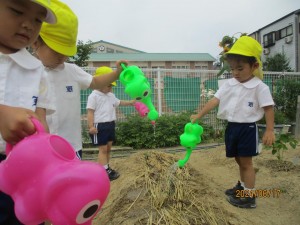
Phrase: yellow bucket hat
pixel 62 36
pixel 104 70
pixel 248 46
pixel 50 17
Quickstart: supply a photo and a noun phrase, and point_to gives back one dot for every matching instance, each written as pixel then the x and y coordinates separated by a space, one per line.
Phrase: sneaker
pixel 232 191
pixel 247 202
pixel 112 174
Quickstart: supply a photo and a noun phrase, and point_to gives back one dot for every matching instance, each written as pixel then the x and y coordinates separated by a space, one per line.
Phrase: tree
pixel 279 62
pixel 83 53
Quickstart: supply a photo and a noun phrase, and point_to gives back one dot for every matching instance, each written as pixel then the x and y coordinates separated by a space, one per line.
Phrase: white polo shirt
pixel 243 102
pixel 23 83
pixel 66 82
pixel 104 106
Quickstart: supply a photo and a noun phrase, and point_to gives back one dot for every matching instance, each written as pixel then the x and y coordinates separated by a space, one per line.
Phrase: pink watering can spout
pixel 141 108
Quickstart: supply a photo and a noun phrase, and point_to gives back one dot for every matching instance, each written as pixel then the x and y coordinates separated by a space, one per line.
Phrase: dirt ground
pixel 152 191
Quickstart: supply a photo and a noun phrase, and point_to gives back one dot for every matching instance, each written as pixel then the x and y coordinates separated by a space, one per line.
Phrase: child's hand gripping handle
pixel 38 127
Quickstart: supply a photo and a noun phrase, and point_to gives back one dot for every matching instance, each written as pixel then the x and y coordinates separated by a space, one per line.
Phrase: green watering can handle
pixel 123 66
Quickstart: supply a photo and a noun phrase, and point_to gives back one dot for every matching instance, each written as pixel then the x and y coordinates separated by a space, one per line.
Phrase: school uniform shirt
pixel 23 83
pixel 66 82
pixel 104 106
pixel 243 102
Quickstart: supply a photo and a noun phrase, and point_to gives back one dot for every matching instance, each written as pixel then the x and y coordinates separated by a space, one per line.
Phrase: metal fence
pixel 179 90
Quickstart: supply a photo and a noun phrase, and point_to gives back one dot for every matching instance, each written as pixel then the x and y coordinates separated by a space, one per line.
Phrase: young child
pixel 55 44
pixel 242 101
pixel 101 115
pixel 23 89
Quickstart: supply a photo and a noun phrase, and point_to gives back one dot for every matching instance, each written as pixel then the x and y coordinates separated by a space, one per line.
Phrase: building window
pixel 180 67
pixel 269 39
pixel 110 50
pixel 287 31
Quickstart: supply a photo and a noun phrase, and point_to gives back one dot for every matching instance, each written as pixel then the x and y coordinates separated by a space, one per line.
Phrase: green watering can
pixel 189 139
pixel 138 88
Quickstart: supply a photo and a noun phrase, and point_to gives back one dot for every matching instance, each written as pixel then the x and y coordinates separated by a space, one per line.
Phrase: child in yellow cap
pixel 55 44
pixel 101 115
pixel 23 84
pixel 243 100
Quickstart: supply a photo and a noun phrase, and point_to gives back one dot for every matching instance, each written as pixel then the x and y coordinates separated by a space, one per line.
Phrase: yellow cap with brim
pixel 62 36
pixel 104 70
pixel 50 17
pixel 248 46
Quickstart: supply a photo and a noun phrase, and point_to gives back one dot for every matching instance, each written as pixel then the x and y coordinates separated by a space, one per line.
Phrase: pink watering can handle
pixel 38 127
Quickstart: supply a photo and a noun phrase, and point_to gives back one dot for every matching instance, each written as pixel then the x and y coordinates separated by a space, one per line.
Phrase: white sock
pixel 106 166
pixel 243 184
pixel 250 192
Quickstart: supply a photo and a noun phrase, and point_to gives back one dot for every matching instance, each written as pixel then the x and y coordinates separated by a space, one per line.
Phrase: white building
pixel 281 36
pixel 106 54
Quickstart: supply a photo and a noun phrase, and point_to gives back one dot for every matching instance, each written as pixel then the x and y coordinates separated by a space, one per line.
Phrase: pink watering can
pixel 141 108
pixel 48 182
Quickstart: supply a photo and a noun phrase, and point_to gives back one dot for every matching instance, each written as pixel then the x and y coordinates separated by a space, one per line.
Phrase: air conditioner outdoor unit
pixel 288 39
pixel 266 51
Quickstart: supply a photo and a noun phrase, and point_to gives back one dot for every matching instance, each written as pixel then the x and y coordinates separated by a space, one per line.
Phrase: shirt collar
pixel 98 92
pixel 24 59
pixel 60 67
pixel 101 93
pixel 249 84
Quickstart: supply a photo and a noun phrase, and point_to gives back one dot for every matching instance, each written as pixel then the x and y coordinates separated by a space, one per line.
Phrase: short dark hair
pixel 246 59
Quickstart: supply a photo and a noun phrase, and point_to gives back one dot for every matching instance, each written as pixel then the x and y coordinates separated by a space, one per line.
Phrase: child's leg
pixel 109 146
pixel 247 172
pixel 102 155
pixel 238 161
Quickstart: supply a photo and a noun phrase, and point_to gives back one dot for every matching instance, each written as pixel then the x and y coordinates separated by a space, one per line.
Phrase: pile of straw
pixel 161 194
pixel 172 199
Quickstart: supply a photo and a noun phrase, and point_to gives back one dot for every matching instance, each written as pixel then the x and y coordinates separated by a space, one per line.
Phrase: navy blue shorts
pixel 241 139
pixel 79 154
pixel 106 133
pixel 7 212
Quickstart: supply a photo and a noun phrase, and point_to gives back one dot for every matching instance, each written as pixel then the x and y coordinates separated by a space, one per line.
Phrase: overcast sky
pixel 174 26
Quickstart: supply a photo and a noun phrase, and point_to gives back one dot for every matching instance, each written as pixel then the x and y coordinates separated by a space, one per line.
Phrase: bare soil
pixel 152 191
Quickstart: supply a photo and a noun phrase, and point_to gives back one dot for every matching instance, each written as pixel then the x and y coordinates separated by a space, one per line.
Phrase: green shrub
pixel 138 132
pixel 285 97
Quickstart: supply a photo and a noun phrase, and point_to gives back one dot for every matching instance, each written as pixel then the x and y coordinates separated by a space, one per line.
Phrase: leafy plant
pixel 281 145
pixel 278 62
pixel 83 53
pixel 285 96
pixel 226 43
pixel 138 132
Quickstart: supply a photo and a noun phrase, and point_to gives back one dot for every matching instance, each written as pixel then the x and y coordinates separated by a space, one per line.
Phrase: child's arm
pixel 41 113
pixel 127 103
pixel 15 123
pixel 99 82
pixel 269 136
pixel 90 120
pixel 214 102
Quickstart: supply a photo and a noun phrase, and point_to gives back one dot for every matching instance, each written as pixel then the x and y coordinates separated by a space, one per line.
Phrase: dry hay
pixel 279 165
pixel 162 194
